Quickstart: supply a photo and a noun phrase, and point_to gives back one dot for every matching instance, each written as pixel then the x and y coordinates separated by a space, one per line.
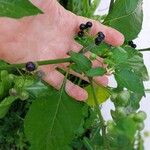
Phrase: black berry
pixel 82 26
pixel 98 40
pixel 89 24
pixel 130 43
pixel 133 45
pixel 101 35
pixel 30 66
pixel 80 33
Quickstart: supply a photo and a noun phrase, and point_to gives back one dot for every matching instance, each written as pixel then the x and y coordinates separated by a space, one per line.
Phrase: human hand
pixel 50 36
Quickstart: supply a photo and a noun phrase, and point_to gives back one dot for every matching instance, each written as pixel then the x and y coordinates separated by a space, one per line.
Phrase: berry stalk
pixel 39 63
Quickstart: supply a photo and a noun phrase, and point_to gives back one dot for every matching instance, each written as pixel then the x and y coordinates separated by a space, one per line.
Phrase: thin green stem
pixel 39 63
pixel 87 144
pixel 111 5
pixel 147 90
pixel 102 121
pixel 143 50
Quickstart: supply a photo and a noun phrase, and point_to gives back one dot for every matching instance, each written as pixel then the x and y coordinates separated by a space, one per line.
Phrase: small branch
pixel 102 122
pixel 143 50
pixel 39 63
pixel 147 90
pixel 111 5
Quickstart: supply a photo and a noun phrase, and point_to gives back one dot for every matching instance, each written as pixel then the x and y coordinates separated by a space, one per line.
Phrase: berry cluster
pixel 100 35
pixel 130 43
pixel 99 38
pixel 84 27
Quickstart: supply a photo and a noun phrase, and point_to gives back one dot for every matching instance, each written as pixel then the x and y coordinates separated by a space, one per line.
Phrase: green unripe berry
pixel 140 116
pixel 120 111
pixel 13 92
pixel 123 98
pixel 113 96
pixel 24 95
pixel 110 125
pixel 140 126
pixel 11 77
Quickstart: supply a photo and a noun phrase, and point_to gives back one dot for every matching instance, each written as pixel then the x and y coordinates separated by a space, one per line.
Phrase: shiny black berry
pixel 80 33
pixel 82 26
pixel 130 43
pixel 133 45
pixel 101 35
pixel 98 40
pixel 89 24
pixel 30 66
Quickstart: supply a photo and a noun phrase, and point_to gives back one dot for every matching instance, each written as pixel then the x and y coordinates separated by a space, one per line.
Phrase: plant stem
pixel 39 63
pixel 147 90
pixel 111 5
pixel 87 144
pixel 102 122
pixel 145 49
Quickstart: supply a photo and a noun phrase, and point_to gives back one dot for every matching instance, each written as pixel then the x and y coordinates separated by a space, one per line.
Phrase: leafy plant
pixel 35 116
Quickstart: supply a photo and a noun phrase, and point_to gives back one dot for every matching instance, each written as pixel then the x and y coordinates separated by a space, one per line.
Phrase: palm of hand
pixel 45 37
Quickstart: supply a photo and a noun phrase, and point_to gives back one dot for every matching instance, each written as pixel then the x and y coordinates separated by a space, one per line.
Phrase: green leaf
pixel 101 93
pixel 81 61
pixel 119 55
pixel 81 7
pixel 52 120
pixel 122 135
pixel 99 71
pixel 17 8
pixel 5 105
pixel 126 16
pixel 128 127
pixel 128 79
pixel 134 102
pixel 135 61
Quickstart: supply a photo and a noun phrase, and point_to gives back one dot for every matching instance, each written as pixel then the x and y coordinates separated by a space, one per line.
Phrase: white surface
pixel 143 41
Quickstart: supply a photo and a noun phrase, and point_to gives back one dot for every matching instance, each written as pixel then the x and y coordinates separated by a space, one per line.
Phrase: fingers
pixel 55 79
pixel 112 36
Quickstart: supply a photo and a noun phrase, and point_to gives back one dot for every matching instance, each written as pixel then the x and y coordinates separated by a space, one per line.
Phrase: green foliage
pixel 127 78
pixel 121 136
pixel 102 94
pixel 99 71
pixel 81 7
pixel 52 120
pixel 126 16
pixel 82 62
pixel 56 121
pixel 17 8
pixel 5 104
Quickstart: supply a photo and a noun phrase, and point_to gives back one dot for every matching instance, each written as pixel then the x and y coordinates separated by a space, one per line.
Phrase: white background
pixel 143 41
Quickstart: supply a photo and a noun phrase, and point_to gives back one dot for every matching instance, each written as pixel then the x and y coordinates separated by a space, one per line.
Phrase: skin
pixel 50 36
